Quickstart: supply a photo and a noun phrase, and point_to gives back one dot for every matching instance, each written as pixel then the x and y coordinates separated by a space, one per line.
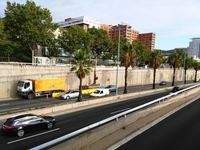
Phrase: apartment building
pixel 126 31
pixel 148 39
pixel 106 28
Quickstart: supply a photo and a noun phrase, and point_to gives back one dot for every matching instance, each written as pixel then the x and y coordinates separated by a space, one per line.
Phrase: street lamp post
pixel 118 55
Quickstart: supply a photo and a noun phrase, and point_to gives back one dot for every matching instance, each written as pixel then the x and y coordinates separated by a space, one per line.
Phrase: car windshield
pixel 20 84
pixel 68 92
pixel 97 91
pixel 9 122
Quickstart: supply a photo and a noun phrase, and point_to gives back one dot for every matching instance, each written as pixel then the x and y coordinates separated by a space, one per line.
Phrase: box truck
pixel 40 87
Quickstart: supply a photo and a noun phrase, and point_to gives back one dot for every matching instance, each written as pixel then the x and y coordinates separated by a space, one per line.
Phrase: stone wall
pixel 10 74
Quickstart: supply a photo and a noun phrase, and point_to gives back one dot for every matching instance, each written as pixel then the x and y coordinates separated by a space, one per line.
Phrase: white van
pixel 100 93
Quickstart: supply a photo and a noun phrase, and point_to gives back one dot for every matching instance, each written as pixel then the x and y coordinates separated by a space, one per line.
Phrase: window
pixel 20 84
pixel 27 85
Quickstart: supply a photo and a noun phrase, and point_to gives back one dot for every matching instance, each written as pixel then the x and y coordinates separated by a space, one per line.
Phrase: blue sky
pixel 175 22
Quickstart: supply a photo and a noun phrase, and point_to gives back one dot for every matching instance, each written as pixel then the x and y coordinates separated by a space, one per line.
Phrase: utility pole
pixel 184 75
pixel 118 55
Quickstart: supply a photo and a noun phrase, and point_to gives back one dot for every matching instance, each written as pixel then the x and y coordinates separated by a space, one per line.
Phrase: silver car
pixel 70 95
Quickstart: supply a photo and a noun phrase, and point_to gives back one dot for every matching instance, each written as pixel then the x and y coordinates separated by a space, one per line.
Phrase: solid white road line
pixel 22 139
pixel 115 112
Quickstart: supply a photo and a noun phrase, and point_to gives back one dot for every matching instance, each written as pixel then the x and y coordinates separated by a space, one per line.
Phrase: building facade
pixel 126 31
pixel 106 28
pixel 148 39
pixel 83 21
pixel 194 48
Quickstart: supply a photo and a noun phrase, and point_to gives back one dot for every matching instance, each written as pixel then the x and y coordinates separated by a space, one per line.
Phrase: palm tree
pixel 155 62
pixel 175 61
pixel 196 66
pixel 187 65
pixel 81 64
pixel 127 59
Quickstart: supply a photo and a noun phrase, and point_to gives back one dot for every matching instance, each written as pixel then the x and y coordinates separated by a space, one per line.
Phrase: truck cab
pixel 25 88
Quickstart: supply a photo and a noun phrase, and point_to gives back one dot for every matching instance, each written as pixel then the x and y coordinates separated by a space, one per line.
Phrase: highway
pixel 70 122
pixel 181 131
pixel 9 106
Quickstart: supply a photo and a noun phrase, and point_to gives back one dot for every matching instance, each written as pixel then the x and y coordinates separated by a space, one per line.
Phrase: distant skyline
pixel 175 22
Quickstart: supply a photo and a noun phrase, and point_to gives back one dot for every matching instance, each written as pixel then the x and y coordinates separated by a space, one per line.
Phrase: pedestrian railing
pixel 115 117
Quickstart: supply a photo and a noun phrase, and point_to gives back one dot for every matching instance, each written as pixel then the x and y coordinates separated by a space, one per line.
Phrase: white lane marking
pixel 115 112
pixel 33 136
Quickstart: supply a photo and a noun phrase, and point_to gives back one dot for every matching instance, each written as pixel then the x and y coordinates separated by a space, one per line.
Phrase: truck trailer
pixel 40 87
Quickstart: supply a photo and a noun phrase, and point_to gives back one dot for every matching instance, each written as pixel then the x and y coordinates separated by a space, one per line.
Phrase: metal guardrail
pixel 102 122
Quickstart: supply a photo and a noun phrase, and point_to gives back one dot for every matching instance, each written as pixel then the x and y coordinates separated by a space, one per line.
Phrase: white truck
pixel 100 93
pixel 40 87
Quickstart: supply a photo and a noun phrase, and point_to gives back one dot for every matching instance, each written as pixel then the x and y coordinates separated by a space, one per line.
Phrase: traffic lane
pixel 25 104
pixel 181 131
pixel 70 122
pixel 142 87
pixel 22 104
pixel 43 102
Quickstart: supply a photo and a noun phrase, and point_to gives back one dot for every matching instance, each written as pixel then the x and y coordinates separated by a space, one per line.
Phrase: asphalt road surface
pixel 181 131
pixel 23 104
pixel 71 122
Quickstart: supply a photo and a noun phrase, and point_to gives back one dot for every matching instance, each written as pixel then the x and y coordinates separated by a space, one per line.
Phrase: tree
pixel 2 35
pixel 196 66
pixel 142 52
pixel 73 38
pixel 175 61
pixel 187 64
pixel 81 64
pixel 155 61
pixel 28 24
pixel 128 56
pixel 100 44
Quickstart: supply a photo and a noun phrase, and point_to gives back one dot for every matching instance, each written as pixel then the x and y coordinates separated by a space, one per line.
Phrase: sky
pixel 175 22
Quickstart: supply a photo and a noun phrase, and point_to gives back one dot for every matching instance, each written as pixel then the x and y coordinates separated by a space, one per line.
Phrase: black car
pixel 162 83
pixel 176 89
pixel 21 124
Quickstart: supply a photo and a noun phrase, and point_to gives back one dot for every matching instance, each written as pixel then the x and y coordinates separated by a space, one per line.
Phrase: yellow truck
pixel 40 87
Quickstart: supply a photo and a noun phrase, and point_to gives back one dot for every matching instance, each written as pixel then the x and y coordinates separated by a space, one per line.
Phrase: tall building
pixel 148 39
pixel 194 48
pixel 106 28
pixel 125 31
pixel 83 21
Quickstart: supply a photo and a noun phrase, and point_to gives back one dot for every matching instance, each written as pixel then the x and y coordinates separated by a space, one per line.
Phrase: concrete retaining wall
pixel 10 74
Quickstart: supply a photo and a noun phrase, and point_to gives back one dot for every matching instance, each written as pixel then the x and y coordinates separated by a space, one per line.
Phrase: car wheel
pixel 49 125
pixel 20 133
pixel 67 97
pixel 30 96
